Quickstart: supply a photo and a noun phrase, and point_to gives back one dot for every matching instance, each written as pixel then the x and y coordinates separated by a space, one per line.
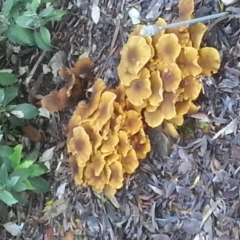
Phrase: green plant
pixel 23 22
pixel 12 115
pixel 19 174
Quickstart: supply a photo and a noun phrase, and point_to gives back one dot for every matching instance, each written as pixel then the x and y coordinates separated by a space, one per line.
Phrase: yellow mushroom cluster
pixel 106 139
pixel 161 74
pixel 159 80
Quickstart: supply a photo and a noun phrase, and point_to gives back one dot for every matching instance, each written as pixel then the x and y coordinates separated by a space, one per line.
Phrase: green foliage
pixel 12 115
pixel 19 174
pixel 22 22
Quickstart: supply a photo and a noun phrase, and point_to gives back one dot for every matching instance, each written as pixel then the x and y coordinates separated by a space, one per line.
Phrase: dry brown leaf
pixel 32 133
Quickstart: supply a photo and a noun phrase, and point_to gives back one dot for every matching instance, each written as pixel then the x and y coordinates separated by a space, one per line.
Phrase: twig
pixel 151 30
pixel 29 77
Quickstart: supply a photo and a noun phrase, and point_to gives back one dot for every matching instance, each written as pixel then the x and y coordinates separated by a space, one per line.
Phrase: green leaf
pixel 40 184
pixel 55 15
pixel 7 6
pixel 20 35
pixel 38 169
pixel 25 111
pixel 25 164
pixel 7 79
pixel 28 22
pixel 5 151
pixel 7 197
pixel 3 174
pixel 12 182
pixel 35 4
pixel 9 94
pixel 46 12
pixel 29 185
pixel 15 122
pixel 22 173
pixel 1 95
pixel 19 187
pixel 16 156
pixel 43 39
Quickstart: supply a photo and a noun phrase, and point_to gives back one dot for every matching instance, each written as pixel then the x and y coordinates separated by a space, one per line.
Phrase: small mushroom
pixel 188 62
pixel 196 32
pixel 168 48
pixel 80 144
pixel 105 109
pixel 132 122
pixel 157 89
pixel 116 178
pixel 171 77
pixel 130 162
pixel 135 54
pixel 209 60
pixel 86 110
pixel 140 89
pixel 192 87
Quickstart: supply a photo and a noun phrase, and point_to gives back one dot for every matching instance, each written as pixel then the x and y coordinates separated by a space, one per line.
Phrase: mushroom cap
pixel 140 89
pixel 168 48
pixel 116 177
pixel 141 144
pixel 188 62
pixel 193 109
pixel 96 181
pixel 157 89
pixel 130 162
pixel 171 77
pixel 135 54
pixel 192 87
pixel 132 123
pixel 86 110
pixel 136 32
pixel 123 145
pixel 160 22
pixel 98 161
pixel 109 145
pixel 109 191
pixel 186 8
pixel 154 119
pixel 182 107
pixel 209 60
pixel 125 77
pixel 77 171
pixel 170 129
pixel 196 32
pixel 182 35
pixel 83 67
pixel 105 109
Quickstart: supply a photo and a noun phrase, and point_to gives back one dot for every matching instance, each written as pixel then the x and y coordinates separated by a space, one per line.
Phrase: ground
pixel 185 189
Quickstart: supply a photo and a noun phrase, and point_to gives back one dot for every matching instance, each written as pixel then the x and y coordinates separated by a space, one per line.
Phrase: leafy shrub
pixel 19 174
pixel 22 22
pixel 12 115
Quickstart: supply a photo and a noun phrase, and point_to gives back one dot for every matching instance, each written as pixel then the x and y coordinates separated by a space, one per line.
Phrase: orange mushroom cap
pixel 140 89
pixel 168 48
pixel 188 62
pixel 135 54
pixel 209 60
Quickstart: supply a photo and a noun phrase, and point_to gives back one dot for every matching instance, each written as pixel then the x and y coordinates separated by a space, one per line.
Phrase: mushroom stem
pixel 151 30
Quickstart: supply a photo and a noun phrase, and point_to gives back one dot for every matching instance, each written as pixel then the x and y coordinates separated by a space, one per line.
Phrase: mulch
pixel 184 190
